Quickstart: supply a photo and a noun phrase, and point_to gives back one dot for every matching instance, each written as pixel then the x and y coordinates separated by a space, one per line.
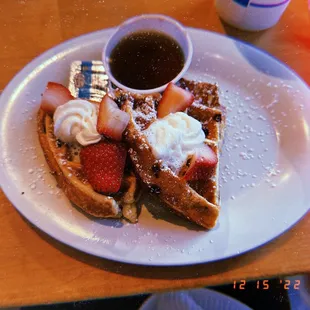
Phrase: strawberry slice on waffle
pixel 54 96
pixel 111 120
pixel 201 163
pixel 175 99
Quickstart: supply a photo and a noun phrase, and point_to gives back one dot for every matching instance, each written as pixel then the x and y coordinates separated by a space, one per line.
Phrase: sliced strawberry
pixel 54 95
pixel 201 164
pixel 111 120
pixel 175 99
pixel 103 164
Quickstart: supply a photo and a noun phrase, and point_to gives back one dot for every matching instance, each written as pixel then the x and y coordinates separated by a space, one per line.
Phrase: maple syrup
pixel 146 60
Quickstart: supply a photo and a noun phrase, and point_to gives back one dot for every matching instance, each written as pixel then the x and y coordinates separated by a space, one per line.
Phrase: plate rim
pixel 34 63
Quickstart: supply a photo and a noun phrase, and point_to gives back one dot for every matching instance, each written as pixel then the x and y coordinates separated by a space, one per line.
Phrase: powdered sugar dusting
pixel 250 140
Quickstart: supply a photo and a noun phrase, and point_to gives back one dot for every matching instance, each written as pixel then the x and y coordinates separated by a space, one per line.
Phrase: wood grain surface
pixel 36 269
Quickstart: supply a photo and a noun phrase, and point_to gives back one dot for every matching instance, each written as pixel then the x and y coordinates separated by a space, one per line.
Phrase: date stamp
pixel 286 284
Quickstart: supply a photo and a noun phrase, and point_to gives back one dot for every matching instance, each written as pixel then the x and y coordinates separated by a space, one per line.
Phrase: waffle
pixel 207 109
pixel 197 201
pixel 64 163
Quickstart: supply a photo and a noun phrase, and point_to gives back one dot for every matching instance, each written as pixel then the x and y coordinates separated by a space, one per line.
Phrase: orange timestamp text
pixel 265 284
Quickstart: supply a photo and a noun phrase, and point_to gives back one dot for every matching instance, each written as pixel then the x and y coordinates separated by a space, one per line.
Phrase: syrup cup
pixel 149 22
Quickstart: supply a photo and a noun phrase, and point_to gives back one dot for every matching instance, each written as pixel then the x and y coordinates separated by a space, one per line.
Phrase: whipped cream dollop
pixel 175 137
pixel 76 121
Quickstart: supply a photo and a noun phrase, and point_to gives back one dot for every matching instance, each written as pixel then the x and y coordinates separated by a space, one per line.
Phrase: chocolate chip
pixel 156 169
pixel 119 100
pixel 137 103
pixel 113 86
pixel 154 189
pixel 59 143
pixel 156 102
pixel 188 162
pixel 205 129
pixel 182 84
pixel 217 117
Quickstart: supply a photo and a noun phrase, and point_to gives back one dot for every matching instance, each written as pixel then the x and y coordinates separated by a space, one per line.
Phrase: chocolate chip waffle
pixel 198 201
pixel 64 162
pixel 207 109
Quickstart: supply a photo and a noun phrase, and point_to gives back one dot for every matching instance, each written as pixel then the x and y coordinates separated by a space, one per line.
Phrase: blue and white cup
pixel 251 15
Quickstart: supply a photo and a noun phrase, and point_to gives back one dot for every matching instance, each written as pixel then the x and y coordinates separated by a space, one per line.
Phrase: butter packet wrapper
pixel 88 80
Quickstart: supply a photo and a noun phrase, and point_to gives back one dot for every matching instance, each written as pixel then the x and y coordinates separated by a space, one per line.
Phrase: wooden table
pixel 36 269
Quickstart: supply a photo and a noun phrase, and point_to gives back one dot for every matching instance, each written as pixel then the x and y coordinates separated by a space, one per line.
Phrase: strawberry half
pixel 200 166
pixel 175 99
pixel 111 120
pixel 54 95
pixel 103 164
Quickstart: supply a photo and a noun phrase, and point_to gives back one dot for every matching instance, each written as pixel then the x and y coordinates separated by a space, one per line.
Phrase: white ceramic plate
pixel 265 165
